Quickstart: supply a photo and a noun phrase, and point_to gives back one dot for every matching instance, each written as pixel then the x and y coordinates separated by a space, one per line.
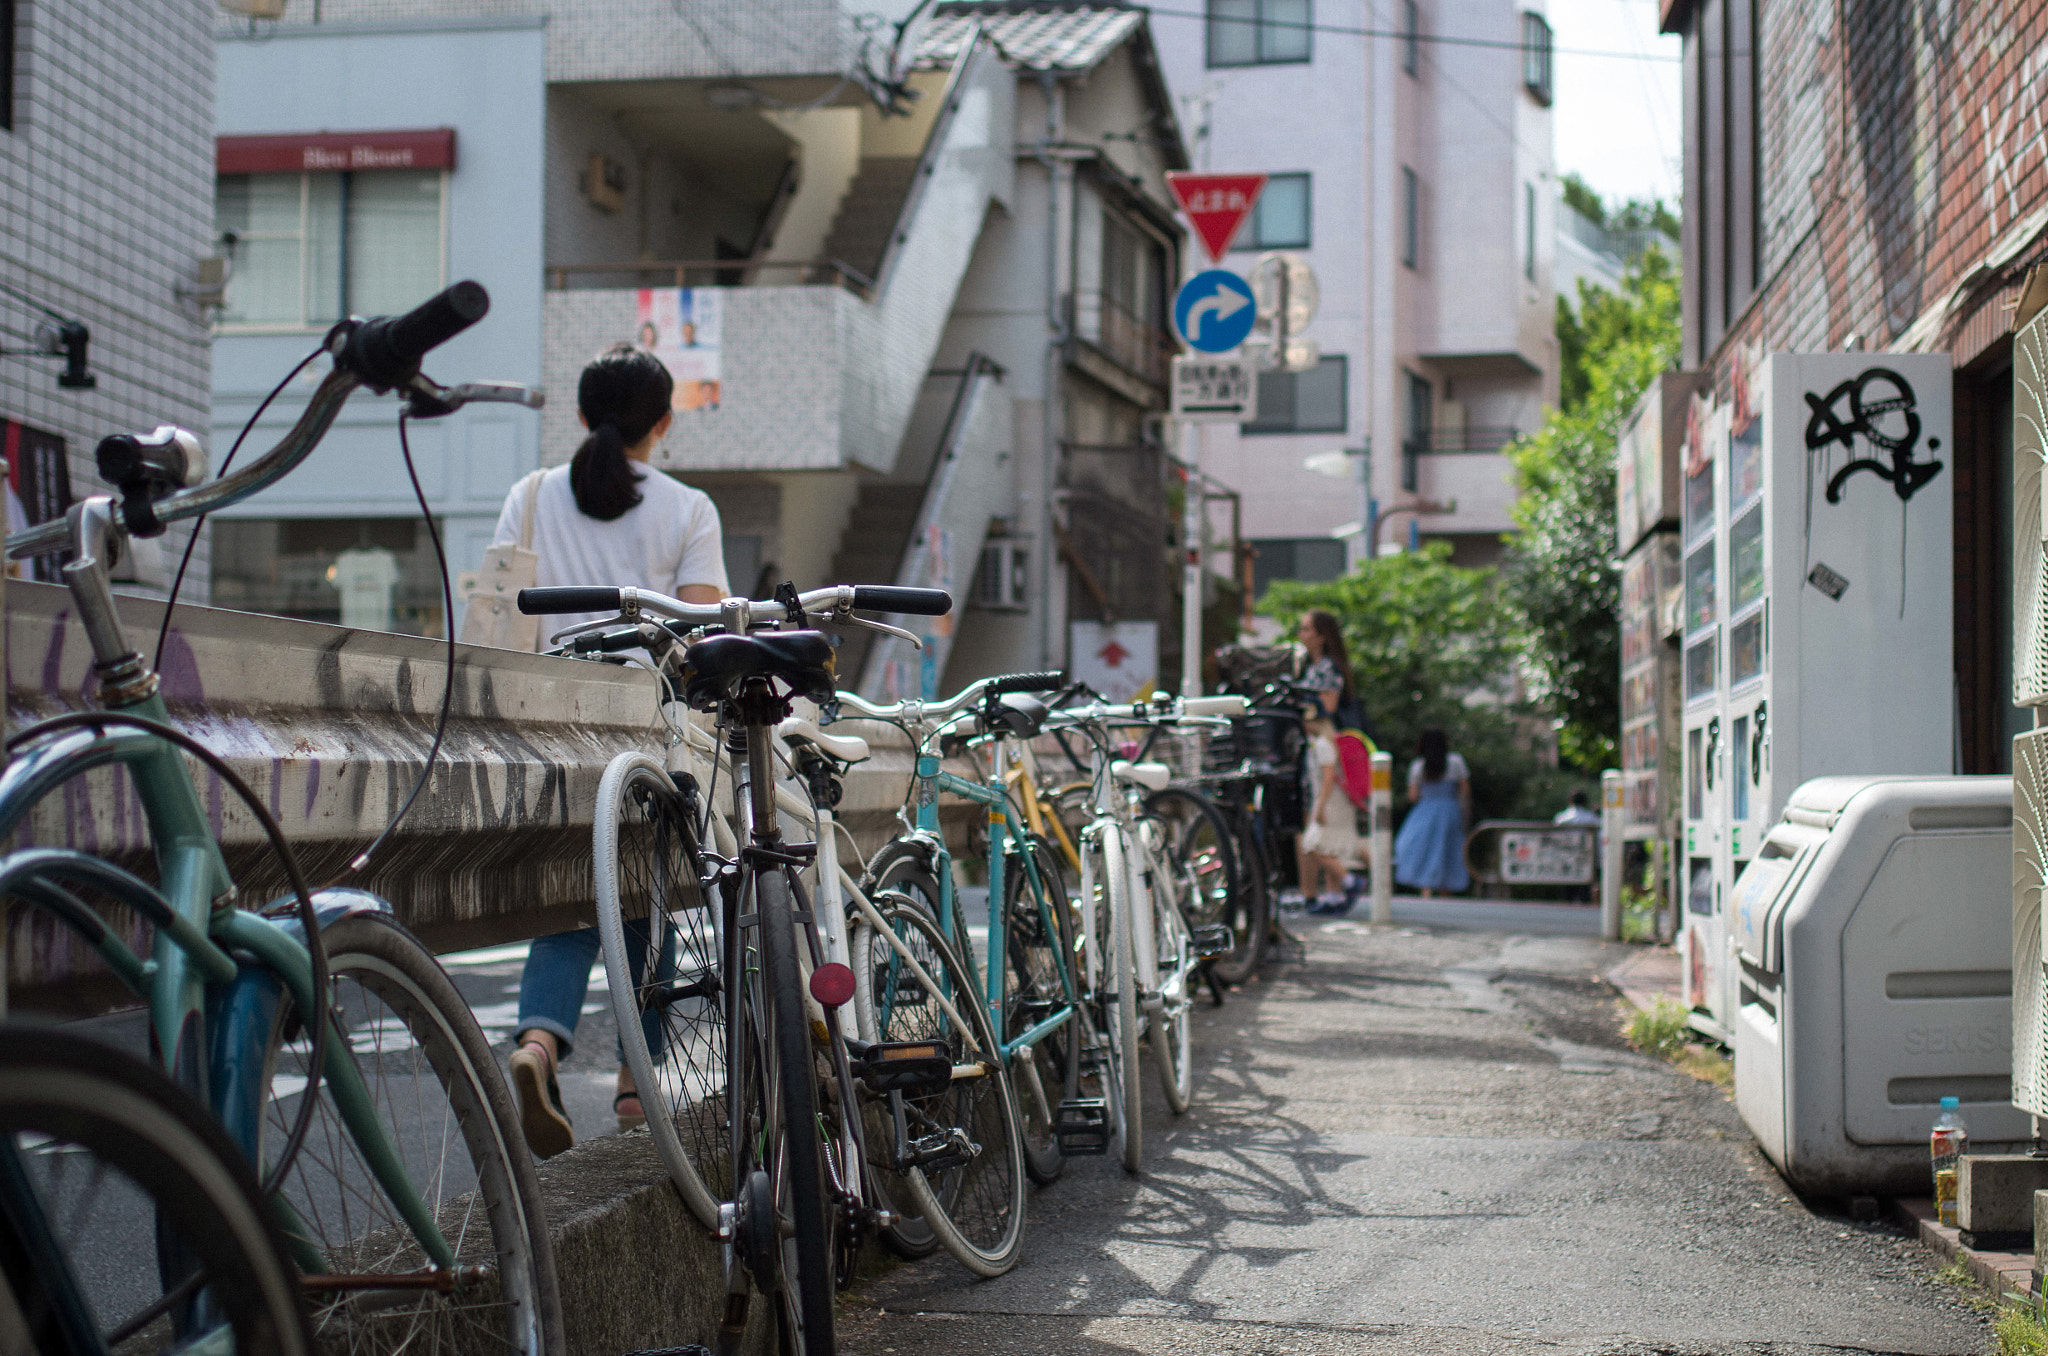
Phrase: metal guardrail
pixel 331 725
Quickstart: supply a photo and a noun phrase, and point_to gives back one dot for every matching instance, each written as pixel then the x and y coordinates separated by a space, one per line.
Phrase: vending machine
pixel 1818 603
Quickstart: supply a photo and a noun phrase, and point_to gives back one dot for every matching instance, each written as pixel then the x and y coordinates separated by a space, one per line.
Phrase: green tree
pixel 1432 643
pixel 1557 574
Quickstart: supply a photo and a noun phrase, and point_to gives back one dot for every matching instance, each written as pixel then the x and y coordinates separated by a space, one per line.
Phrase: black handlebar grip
pixel 610 642
pixel 386 352
pixel 572 598
pixel 909 602
pixel 1026 682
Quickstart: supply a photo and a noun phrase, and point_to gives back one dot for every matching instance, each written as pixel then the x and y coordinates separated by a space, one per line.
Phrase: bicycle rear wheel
pixel 1038 949
pixel 435 1087
pixel 975 1207
pixel 663 964
pixel 1224 889
pixel 1121 1018
pixel 118 1193
pixel 1169 1024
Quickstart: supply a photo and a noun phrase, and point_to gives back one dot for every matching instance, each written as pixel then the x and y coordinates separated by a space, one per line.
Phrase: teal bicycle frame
pixel 1005 841
pixel 192 974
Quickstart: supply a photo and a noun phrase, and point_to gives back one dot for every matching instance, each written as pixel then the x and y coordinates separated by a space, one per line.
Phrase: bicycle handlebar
pixel 394 340
pixel 903 601
pixel 1025 682
pixel 630 603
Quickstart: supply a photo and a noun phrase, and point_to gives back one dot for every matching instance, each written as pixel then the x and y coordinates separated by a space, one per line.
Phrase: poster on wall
pixel 38 485
pixel 682 326
pixel 1118 659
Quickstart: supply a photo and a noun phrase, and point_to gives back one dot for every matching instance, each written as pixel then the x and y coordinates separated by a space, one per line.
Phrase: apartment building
pixel 912 282
pixel 106 191
pixel 1411 166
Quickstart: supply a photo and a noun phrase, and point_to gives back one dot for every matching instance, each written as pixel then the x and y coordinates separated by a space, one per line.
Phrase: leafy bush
pixel 1660 1031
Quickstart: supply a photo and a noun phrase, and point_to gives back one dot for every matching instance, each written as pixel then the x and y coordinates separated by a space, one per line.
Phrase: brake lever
pixel 424 399
pixel 844 615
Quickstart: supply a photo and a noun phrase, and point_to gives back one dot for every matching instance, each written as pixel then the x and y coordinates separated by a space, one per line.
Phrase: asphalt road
pixel 1430 1139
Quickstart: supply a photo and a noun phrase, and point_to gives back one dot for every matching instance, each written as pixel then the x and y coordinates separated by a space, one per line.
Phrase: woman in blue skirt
pixel 1430 853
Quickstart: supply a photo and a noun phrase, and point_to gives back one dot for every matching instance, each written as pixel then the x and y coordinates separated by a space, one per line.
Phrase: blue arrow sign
pixel 1214 311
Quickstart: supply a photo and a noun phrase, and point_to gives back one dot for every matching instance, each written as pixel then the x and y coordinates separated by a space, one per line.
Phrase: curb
pixel 2002 1273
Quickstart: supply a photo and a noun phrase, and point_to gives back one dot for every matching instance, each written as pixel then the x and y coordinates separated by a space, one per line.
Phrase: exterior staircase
pixel 869 214
pixel 871 552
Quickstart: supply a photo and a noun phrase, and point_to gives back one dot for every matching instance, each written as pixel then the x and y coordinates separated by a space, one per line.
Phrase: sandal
pixel 629 1120
pixel 541 1116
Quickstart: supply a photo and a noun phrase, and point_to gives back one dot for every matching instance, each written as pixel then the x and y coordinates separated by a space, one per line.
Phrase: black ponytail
pixel 623 394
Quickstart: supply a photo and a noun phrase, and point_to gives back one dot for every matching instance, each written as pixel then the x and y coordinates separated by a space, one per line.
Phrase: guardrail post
pixel 1382 837
pixel 1611 817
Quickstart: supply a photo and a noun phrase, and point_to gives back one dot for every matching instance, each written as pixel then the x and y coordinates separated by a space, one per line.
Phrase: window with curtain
pixel 1302 402
pixel 308 249
pixel 1421 429
pixel 1259 32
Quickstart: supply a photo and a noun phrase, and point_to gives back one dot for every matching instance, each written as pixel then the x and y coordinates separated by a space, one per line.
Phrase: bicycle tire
pixel 644 850
pixel 1169 1027
pixel 807 1271
pixel 1122 1021
pixel 418 1046
pixel 1050 1071
pixel 1202 841
pixel 975 1209
pixel 899 868
pixel 165 1181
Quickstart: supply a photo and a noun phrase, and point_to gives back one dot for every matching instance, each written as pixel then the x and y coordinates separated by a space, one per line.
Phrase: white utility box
pixel 1873 931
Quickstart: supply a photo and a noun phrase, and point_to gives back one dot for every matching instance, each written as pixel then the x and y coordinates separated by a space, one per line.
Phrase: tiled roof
pixel 1044 36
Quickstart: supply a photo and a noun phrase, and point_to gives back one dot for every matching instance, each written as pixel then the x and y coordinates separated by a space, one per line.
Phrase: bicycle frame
pixel 190 974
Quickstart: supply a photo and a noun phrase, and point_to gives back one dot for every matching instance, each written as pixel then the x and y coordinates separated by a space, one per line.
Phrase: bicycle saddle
pixel 719 664
pixel 846 748
pixel 1016 714
pixel 1151 776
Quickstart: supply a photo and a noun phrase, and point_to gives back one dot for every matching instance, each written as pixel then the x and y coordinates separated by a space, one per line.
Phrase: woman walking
pixel 1329 845
pixel 1430 853
pixel 602 519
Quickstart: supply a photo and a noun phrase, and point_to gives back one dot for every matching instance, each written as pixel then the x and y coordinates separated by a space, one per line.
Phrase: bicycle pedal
pixel 1082 1126
pixel 941 1152
pixel 1213 939
pixel 1093 1061
pixel 904 1066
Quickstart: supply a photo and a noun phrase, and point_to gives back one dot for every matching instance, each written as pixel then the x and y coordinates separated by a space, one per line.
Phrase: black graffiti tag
pixel 1889 423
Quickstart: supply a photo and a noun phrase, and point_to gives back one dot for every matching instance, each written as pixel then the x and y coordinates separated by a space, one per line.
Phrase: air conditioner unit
pixel 1005 575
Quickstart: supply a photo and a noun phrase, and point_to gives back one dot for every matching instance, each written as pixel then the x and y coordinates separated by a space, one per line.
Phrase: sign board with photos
pixel 683 326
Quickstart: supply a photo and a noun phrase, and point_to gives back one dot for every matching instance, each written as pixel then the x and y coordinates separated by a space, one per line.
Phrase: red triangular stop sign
pixel 1216 203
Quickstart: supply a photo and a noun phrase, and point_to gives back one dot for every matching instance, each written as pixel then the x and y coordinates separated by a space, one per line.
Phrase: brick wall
pixel 106 202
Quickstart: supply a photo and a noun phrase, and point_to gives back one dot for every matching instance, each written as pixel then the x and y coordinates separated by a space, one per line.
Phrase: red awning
pixel 424 148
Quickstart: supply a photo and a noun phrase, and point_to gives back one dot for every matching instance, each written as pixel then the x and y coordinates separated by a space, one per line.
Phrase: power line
pixel 1401 35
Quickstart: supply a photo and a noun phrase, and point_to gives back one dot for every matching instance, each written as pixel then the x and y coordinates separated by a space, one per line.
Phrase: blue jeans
pixel 556 980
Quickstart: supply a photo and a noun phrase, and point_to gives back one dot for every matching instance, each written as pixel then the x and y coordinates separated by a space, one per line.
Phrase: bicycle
pixel 1029 983
pixel 104 1159
pixel 406 1211
pixel 1142 955
pixel 795 1199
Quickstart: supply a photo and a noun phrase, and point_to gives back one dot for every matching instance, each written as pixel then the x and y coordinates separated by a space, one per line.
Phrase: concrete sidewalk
pixel 1650 974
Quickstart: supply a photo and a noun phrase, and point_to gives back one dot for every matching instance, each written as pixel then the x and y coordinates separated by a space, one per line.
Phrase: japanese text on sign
pixel 1212 389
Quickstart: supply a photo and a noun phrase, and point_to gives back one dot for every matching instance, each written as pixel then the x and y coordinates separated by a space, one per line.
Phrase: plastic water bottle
pixel 1949 1142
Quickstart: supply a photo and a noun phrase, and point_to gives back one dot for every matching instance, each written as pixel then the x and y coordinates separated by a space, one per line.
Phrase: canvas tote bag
pixel 492 618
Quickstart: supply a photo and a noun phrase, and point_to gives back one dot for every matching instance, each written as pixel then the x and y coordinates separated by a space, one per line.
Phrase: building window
pixel 308 249
pixel 1421 418
pixel 1724 237
pixel 1280 218
pixel 375 574
pixel 1302 402
pixel 1312 560
pixel 1536 57
pixel 1529 231
pixel 1411 38
pixel 7 65
pixel 1411 217
pixel 1133 316
pixel 1259 32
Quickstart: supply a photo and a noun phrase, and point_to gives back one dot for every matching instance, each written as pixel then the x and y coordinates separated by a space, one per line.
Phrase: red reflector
pixel 832 984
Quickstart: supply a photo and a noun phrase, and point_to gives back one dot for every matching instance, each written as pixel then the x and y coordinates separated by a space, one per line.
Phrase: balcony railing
pixel 711 273
pixel 1471 438
pixel 1140 348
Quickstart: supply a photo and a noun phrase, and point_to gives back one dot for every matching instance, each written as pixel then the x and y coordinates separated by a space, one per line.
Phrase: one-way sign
pixel 1214 311
pixel 1212 390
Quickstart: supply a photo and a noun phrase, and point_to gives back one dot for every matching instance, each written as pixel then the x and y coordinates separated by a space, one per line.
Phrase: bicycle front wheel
pixel 970 1188
pixel 1169 1022
pixel 1121 1019
pixel 1039 957
pixel 434 1087
pixel 128 1220
pixel 663 964
pixel 1222 887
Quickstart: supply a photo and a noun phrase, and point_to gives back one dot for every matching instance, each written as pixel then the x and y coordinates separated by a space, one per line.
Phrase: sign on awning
pixel 421 148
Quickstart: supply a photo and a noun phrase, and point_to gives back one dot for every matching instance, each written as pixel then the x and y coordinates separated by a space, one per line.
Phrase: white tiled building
pixel 1414 173
pixel 106 206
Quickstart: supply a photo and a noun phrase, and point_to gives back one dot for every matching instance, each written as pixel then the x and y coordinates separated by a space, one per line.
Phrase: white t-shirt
pixel 1455 771
pixel 666 542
